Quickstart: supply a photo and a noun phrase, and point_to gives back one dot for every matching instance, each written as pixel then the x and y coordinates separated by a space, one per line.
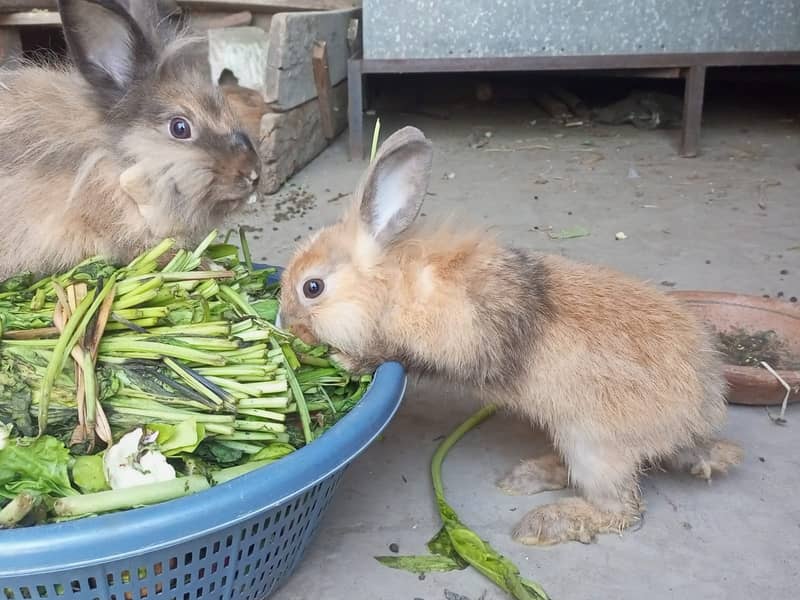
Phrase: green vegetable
pixel 40 467
pixel 188 351
pixel 568 234
pixel 456 545
pixel 88 473
pixel 420 564
pixel 140 495
pixel 184 437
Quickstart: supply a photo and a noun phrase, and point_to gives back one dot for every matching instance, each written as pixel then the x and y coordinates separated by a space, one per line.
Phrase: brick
pixel 290 75
pixel 292 139
pixel 243 51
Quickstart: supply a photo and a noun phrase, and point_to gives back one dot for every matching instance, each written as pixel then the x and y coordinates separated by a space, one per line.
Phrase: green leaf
pixel 16 283
pixel 480 555
pixel 89 475
pixel 442 545
pixel 421 564
pixel 20 398
pixel 273 451
pixel 217 251
pixel 39 467
pixel 178 439
pixel 267 309
pixel 572 232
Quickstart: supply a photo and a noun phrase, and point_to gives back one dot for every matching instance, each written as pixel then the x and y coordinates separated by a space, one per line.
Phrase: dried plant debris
pixel 745 349
pixel 293 203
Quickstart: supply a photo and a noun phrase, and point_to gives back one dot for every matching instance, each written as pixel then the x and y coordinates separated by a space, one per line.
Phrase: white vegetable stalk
pixel 135 461
pixel 5 434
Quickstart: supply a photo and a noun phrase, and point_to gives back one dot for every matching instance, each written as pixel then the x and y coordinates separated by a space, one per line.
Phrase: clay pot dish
pixel 724 311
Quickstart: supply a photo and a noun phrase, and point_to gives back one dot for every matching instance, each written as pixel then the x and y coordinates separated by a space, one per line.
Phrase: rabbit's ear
pixel 395 184
pixel 106 42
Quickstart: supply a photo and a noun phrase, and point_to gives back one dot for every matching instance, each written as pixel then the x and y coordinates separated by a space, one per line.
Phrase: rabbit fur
pixel 90 164
pixel 620 375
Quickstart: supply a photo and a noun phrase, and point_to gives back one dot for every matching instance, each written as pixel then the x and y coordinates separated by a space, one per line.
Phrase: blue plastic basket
pixel 239 540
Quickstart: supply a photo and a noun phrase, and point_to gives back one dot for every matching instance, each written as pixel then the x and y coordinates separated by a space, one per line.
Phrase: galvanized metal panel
pixel 408 29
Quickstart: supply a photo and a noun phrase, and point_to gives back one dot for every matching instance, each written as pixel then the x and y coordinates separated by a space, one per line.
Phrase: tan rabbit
pixel 131 144
pixel 620 375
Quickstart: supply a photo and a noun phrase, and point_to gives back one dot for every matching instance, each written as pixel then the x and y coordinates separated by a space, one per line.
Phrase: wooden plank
pixel 267 5
pixel 322 81
pixel 11 6
pixel 27 13
pixel 238 19
pixel 31 19
pixel 577 63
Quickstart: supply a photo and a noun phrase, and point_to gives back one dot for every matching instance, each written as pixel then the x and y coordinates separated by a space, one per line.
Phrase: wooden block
pixel 291 139
pixel 12 6
pixel 322 79
pixel 290 74
pixel 243 51
pixel 239 19
pixel 268 5
pixel 31 19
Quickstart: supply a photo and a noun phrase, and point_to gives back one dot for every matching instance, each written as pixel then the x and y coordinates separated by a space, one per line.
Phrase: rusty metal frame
pixel 691 67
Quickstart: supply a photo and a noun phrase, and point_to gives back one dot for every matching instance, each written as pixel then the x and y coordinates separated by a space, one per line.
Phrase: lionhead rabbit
pixel 620 375
pixel 130 144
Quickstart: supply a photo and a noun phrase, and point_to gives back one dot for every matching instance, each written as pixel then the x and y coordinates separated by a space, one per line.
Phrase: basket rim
pixel 92 541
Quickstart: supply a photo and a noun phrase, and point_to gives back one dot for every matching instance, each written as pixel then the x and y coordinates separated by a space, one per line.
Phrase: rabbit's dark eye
pixel 313 288
pixel 180 129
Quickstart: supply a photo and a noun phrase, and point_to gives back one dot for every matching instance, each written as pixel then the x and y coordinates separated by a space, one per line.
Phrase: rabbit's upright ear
pixel 395 184
pixel 107 43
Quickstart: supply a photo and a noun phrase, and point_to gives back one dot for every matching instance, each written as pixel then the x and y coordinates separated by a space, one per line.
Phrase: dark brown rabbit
pixel 129 144
pixel 619 374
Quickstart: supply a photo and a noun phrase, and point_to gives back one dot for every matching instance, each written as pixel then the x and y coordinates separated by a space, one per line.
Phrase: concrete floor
pixel 723 221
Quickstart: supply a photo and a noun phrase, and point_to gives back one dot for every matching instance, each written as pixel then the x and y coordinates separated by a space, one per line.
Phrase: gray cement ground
pixel 723 221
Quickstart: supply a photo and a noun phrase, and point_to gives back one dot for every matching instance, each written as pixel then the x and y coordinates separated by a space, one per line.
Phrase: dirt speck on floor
pixel 293 203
